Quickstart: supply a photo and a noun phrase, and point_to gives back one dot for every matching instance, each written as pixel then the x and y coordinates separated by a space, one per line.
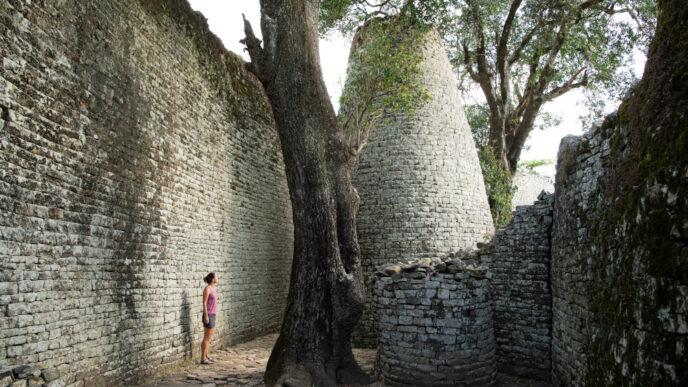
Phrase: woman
pixel 209 314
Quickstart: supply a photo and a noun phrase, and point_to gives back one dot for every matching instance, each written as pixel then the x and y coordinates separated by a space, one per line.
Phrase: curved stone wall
pixel 435 323
pixel 519 258
pixel 136 156
pixel 420 183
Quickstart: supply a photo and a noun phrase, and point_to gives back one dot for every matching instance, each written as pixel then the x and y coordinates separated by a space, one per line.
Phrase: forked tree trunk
pixel 326 292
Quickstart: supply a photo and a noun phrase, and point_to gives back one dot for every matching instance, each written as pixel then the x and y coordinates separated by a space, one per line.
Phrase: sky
pixel 224 20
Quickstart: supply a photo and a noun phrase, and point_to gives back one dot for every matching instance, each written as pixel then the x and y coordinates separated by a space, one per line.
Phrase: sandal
pixel 205 361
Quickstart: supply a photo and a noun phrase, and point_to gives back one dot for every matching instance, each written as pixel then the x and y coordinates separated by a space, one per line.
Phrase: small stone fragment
pixel 23 371
pixel 391 270
pixel 50 374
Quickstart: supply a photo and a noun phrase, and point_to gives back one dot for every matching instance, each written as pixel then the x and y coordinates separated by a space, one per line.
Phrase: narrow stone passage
pixel 240 365
pixel 244 364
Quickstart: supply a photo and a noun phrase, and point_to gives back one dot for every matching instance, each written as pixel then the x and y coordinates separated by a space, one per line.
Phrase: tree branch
pixel 554 51
pixel 517 91
pixel 484 74
pixel 468 64
pixel 568 85
pixel 529 91
pixel 258 64
pixel 484 77
pixel 516 55
pixel 504 38
pixel 502 54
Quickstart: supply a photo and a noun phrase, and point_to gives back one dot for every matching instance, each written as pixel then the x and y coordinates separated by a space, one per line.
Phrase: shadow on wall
pixel 185 323
pixel 120 168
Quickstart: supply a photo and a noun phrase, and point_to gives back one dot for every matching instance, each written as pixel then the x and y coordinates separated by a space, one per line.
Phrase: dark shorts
pixel 211 321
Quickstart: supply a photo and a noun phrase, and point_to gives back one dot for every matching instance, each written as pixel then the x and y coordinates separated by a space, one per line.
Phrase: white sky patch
pixel 224 19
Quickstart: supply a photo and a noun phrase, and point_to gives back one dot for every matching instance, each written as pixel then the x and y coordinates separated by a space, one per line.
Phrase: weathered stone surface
pixel 519 260
pixel 600 265
pixel 25 372
pixel 6 371
pixel 436 330
pixel 6 379
pixel 136 156
pixel 420 183
pixel 50 374
pixel 619 242
pixel 55 383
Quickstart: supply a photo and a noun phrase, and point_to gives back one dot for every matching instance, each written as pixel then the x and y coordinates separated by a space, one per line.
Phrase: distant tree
pixel 525 53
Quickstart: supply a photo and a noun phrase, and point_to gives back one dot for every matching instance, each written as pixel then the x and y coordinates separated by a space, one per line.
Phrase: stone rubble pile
pixel 451 263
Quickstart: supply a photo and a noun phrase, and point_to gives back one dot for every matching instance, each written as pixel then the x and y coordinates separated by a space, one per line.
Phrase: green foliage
pixel 333 14
pixel 498 182
pixel 549 48
pixel 346 15
pixel 384 75
pixel 478 116
pixel 528 166
pixel 599 42
pixel 499 186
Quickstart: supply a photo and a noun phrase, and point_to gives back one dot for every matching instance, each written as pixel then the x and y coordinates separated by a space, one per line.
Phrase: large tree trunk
pixel 326 291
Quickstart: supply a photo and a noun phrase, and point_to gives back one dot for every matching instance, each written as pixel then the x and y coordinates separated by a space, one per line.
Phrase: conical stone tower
pixel 419 180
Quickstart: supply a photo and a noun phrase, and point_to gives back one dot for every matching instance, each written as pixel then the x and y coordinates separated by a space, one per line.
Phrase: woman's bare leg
pixel 210 336
pixel 206 343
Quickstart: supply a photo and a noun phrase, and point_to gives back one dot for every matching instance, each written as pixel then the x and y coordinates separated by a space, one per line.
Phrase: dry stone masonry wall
pixel 420 183
pixel 519 259
pixel 571 272
pixel 136 156
pixel 435 320
pixel 613 319
pixel 620 232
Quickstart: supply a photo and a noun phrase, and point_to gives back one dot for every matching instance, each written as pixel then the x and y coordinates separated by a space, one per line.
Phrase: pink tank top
pixel 212 301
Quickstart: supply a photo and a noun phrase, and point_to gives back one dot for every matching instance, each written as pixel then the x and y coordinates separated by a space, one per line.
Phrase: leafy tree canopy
pixel 523 53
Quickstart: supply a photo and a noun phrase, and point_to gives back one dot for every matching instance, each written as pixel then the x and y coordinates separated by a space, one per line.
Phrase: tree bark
pixel 325 298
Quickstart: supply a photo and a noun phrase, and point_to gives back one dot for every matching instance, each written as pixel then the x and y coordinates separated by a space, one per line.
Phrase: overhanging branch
pixel 570 84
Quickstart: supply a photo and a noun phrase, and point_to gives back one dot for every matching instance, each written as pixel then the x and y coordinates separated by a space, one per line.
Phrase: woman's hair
pixel 209 278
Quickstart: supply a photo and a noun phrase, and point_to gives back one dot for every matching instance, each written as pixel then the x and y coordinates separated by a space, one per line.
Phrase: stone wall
pixel 577 176
pixel 519 259
pixel 136 156
pixel 592 278
pixel 620 235
pixel 420 183
pixel 435 321
pixel 528 188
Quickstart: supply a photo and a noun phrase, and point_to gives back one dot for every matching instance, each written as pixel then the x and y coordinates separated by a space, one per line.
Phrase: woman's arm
pixel 206 293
